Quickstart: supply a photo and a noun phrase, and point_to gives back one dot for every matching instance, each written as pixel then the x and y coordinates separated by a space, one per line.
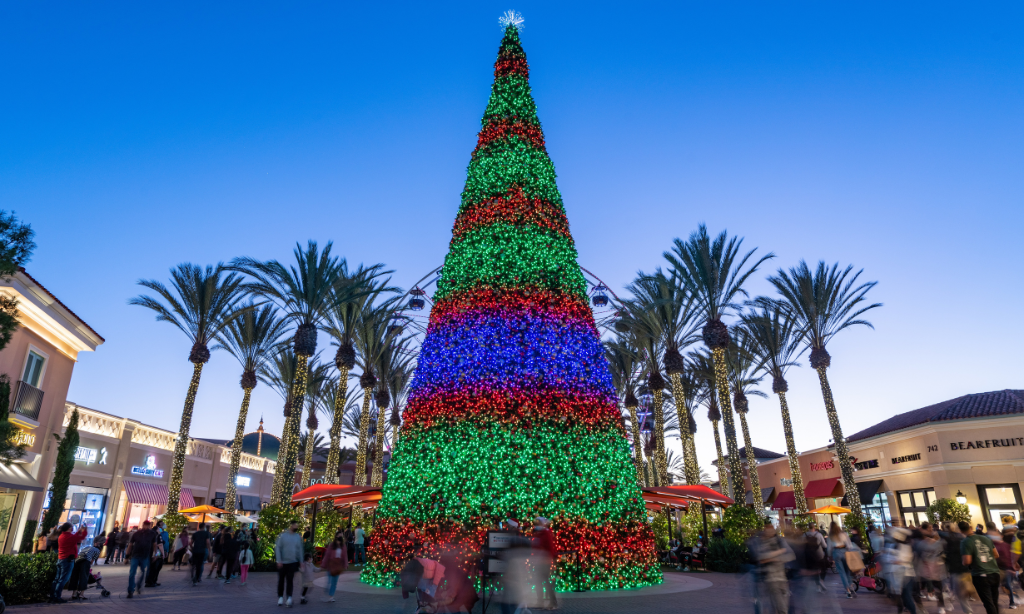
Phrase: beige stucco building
pixel 971 447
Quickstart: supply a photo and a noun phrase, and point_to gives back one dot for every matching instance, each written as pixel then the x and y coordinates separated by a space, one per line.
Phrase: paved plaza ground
pixel 698 593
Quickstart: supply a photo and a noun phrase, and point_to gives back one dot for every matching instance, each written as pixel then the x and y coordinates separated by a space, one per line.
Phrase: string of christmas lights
pixel 794 461
pixel 181 442
pixel 236 453
pixel 334 455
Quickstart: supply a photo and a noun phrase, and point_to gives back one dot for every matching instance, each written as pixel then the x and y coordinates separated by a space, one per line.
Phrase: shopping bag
pixel 854 561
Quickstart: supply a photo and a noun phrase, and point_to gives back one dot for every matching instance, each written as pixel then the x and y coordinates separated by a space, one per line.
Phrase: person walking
pixel 288 552
pixel 979 554
pixel 111 545
pixel 543 558
pixel 959 574
pixel 218 541
pixel 360 544
pixel 772 554
pixel 229 554
pixel 1007 561
pixel 67 552
pixel 156 561
pixel 335 561
pixel 180 548
pixel 140 550
pixel 898 563
pixel 165 537
pixel 245 559
pixel 201 547
pixel 122 544
pixel 839 546
pixel 929 552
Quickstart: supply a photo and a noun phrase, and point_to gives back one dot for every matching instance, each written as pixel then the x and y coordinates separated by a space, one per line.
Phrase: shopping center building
pixel 970 448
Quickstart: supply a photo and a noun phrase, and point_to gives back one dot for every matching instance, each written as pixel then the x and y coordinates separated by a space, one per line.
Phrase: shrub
pixel 726 556
pixel 948 510
pixel 27 578
pixel 328 522
pixel 660 528
pixel 691 525
pixel 274 519
pixel 739 522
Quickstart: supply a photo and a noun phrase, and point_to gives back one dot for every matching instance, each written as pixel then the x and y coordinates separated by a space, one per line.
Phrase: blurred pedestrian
pixel 202 546
pixel 140 550
pixel 930 568
pixel 543 558
pixel 288 553
pixel 772 555
pixel 179 548
pixel 1008 562
pixel 111 545
pixel 335 562
pixel 979 554
pixel 839 546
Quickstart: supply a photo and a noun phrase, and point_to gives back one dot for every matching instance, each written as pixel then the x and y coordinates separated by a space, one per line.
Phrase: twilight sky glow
pixel 887 136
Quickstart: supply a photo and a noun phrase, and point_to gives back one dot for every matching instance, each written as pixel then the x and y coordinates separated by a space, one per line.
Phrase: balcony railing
pixel 28 401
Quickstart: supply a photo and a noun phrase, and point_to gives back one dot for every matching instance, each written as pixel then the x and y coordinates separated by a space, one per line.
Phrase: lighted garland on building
pixel 512 412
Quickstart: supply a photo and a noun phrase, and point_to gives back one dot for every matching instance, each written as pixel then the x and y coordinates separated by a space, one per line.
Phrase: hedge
pixel 27 578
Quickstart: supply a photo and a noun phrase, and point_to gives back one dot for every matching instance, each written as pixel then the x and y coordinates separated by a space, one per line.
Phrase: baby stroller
pixel 439 589
pixel 82 577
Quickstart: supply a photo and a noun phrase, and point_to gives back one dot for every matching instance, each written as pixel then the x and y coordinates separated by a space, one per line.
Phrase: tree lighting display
pixel 512 413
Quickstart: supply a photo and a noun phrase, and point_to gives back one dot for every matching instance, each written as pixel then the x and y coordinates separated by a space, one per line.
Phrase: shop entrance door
pixel 1001 502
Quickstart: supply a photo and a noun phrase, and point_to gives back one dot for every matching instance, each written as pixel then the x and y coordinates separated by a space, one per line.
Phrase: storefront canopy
pixel 867 491
pixel 822 488
pixel 698 492
pixel 143 493
pixel 323 492
pixel 766 493
pixel 14 476
pixel 785 501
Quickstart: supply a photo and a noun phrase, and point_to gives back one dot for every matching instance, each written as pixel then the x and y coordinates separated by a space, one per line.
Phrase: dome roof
pixel 269 449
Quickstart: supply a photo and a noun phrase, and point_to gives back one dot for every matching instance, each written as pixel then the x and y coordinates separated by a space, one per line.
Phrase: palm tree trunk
pixel 690 467
pixel 722 383
pixel 845 466
pixel 333 455
pixel 364 432
pixel 286 430
pixel 377 477
pixel 307 460
pixel 236 454
pixel 723 481
pixel 181 443
pixel 755 480
pixel 660 461
pixel 638 452
pixel 286 465
pixel 794 463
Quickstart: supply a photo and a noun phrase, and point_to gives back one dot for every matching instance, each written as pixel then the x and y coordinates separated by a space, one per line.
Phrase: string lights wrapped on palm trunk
pixel 512 413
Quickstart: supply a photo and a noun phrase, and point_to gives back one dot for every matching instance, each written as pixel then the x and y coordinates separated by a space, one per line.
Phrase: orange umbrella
pixel 203 510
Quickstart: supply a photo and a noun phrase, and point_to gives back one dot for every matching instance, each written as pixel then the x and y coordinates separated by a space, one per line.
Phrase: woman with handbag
pixel 335 561
pixel 847 556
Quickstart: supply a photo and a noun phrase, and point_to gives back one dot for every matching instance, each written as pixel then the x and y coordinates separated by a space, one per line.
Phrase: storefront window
pixel 1001 503
pixel 877 510
pixel 914 506
pixel 84 506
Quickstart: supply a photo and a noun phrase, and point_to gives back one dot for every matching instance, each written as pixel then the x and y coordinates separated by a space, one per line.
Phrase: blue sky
pixel 137 137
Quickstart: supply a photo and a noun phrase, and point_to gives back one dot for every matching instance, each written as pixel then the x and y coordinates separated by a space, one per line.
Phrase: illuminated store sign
pixel 988 443
pixel 906 459
pixel 150 469
pixel 868 464
pixel 241 480
pixel 85 455
pixel 825 466
pixel 24 437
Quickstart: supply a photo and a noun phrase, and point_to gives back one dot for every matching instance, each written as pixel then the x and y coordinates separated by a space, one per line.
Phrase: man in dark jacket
pixel 140 550
pixel 111 545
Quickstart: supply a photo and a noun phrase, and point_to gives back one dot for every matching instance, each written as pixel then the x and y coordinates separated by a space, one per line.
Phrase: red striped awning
pixel 156 494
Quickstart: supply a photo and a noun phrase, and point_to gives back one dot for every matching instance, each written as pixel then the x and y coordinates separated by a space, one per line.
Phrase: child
pixel 245 559
pixel 308 569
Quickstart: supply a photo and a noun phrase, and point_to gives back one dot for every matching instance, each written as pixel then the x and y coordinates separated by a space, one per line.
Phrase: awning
pixel 867 491
pixel 697 492
pixel 321 492
pixel 785 501
pixel 822 488
pixel 156 494
pixel 249 503
pixel 17 478
pixel 765 494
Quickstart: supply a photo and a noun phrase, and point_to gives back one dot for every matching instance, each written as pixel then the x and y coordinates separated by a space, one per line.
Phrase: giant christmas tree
pixel 512 413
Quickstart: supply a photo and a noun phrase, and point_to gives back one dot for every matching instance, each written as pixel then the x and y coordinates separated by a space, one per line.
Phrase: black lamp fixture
pixel 961 498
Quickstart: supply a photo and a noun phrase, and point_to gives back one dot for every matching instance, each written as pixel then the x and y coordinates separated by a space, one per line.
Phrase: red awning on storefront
pixel 784 501
pixel 156 494
pixel 822 488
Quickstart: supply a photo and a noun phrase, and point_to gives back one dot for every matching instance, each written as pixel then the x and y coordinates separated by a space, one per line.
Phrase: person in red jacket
pixel 67 552
pixel 544 552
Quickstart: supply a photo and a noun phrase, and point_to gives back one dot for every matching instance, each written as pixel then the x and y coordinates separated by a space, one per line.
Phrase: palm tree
pixel 664 317
pixel 316 444
pixel 714 273
pixel 392 364
pixel 622 360
pixel 398 384
pixel 371 340
pixel 306 292
pixel 645 331
pixel 251 339
pixel 201 303
pixel 691 390
pixel 356 291
pixel 744 373
pixel 279 374
pixel 776 343
pixel 702 366
pixel 315 393
pixel 823 303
